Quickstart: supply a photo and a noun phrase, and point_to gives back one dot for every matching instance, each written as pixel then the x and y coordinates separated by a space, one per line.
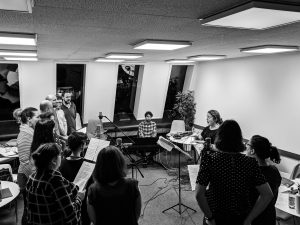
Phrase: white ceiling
pixel 86 29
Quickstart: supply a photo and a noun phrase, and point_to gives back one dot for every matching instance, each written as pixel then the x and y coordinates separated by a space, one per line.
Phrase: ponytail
pixel 274 155
pixel 264 149
pixel 44 155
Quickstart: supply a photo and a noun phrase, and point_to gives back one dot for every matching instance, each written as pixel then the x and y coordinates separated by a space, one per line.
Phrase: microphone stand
pixel 100 117
pixel 132 161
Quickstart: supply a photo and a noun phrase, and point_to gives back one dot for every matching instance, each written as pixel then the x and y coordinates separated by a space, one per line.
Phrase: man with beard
pixel 69 109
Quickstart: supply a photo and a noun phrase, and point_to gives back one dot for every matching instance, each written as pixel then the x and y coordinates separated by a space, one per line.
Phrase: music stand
pixel 166 144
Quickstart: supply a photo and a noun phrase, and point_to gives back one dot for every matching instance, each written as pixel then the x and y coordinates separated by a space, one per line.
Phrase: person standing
pixel 61 116
pixel 29 117
pixel 226 179
pixel 147 128
pixel 69 109
pixel 112 198
pixel 261 149
pixel 51 199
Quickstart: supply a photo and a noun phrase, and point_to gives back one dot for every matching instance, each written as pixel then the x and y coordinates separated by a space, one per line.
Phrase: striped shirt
pixel 24 141
pixel 52 200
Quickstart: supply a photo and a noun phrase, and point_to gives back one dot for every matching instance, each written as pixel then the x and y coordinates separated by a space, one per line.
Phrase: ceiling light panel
pixel 108 60
pixel 162 45
pixel 123 55
pixel 17 5
pixel 206 57
pixel 17 39
pixel 179 61
pixel 255 15
pixel 21 58
pixel 269 49
pixel 18 53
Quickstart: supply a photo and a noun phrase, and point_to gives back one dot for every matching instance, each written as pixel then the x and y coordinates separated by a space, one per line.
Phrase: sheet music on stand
pixel 87 168
pixel 168 145
pixel 193 173
pixel 94 148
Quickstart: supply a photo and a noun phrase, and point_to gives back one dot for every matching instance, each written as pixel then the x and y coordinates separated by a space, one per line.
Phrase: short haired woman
pixel 51 199
pixel 231 177
pixel 261 149
pixel 113 199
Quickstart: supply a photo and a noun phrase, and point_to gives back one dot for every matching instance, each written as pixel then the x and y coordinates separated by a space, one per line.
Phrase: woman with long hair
pixel 113 199
pixel 51 199
pixel 230 177
pixel 261 149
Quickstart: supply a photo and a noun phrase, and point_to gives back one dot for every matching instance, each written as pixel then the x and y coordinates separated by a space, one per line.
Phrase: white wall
pixel 153 90
pixel 261 93
pixel 100 90
pixel 37 80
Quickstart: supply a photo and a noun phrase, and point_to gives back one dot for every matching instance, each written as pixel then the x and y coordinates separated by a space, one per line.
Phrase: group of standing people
pixel 232 187
pixel 46 177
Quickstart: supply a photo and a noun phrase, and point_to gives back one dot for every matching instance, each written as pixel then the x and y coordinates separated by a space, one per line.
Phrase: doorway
pixel 176 83
pixel 70 78
pixel 125 92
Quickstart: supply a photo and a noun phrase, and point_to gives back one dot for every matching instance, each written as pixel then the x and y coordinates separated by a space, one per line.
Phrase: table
pixel 187 142
pixel 282 202
pixel 14 189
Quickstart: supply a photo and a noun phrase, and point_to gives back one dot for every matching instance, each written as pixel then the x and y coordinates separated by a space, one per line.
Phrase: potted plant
pixel 185 108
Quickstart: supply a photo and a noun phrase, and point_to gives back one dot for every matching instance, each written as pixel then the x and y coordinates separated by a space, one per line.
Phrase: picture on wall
pixel 9 90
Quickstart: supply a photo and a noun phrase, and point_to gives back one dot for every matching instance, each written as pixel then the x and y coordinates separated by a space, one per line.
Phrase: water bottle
pixel 292 199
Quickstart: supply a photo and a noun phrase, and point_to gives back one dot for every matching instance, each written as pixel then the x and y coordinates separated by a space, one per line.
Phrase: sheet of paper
pixel 83 130
pixel 84 174
pixel 94 148
pixel 166 144
pixel 193 173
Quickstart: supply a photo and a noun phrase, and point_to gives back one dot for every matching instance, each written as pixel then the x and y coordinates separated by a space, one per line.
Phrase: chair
pixel 296 172
pixel 177 126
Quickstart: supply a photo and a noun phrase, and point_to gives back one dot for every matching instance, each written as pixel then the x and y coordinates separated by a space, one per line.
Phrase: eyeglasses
pixel 248 144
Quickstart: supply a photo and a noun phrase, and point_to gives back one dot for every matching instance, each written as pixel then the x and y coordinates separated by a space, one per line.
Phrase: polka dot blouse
pixel 230 178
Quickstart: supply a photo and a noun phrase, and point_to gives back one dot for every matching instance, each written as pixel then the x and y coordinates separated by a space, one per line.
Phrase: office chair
pixel 177 126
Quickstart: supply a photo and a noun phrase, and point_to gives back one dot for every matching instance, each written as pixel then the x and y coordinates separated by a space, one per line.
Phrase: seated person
pixel 70 166
pixel 214 121
pixel 112 198
pixel 147 128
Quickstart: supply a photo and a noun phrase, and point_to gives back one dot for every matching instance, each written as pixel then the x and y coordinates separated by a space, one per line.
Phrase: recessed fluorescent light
pixel 20 59
pixel 255 15
pixel 206 57
pixel 17 5
pixel 161 45
pixel 269 49
pixel 108 60
pixel 123 55
pixel 17 39
pixel 179 61
pixel 17 53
